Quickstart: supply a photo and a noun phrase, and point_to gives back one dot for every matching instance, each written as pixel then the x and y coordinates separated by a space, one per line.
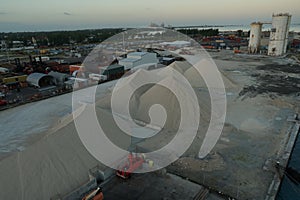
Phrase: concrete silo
pixel 279 34
pixel 255 37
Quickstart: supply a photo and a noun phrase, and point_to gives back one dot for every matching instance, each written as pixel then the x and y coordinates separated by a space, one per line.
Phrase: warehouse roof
pixel 110 67
pixel 130 59
pixel 40 80
pixel 137 53
pixel 59 77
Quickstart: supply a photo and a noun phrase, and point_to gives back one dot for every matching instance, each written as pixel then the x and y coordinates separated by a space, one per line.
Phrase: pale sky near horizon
pixel 37 15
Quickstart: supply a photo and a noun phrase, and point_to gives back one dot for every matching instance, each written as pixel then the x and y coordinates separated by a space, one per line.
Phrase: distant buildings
pixel 2 44
pixel 138 58
pixel 112 71
pixel 17 44
pixel 279 35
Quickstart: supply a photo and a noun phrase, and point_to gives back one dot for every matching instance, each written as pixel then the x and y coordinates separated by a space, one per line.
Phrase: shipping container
pixel 15 79
pixel 74 68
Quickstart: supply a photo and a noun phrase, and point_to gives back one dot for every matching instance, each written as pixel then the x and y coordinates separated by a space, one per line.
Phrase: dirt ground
pixel 151 186
pixel 274 79
pixel 259 101
pixel 266 93
pixel 157 185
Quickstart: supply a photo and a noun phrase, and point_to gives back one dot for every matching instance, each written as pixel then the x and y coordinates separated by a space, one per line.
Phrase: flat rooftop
pixel 138 53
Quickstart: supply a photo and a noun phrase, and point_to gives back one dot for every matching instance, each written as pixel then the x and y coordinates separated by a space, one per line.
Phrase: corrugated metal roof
pixel 34 78
pixel 130 59
pixel 115 66
pixel 137 53
pixel 60 77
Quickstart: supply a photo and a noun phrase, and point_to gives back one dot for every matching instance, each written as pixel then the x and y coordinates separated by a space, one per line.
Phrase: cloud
pixel 67 13
pixel 3 13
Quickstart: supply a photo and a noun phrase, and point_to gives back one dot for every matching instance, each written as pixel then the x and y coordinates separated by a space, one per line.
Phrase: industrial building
pixel 138 58
pixel 40 80
pixel 112 71
pixel 279 35
pixel 59 78
pixel 255 37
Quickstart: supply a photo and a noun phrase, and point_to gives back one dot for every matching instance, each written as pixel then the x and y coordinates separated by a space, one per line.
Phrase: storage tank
pixel 279 34
pixel 255 37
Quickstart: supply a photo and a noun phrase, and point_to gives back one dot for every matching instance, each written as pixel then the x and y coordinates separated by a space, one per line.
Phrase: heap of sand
pixel 149 95
pixel 193 76
pixel 146 97
pixel 56 164
pixel 59 163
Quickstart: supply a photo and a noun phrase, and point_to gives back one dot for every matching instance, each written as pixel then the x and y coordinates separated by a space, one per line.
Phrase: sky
pixel 44 15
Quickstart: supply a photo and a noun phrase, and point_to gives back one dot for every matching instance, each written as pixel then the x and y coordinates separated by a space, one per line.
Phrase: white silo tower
pixel 279 34
pixel 255 37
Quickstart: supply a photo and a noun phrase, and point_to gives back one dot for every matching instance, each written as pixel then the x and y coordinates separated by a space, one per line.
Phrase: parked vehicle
pixel 3 102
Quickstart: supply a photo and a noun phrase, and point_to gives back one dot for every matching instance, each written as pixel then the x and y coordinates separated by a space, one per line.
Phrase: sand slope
pixel 193 76
pixel 59 163
pixel 56 164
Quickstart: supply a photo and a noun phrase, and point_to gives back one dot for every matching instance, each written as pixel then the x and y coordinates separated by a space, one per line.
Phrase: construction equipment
pixel 132 163
pixel 96 194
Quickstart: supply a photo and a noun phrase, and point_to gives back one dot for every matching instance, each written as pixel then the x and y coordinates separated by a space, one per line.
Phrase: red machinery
pixel 133 162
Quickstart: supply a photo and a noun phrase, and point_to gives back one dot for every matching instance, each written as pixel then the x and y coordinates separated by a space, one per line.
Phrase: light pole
pixel 7 54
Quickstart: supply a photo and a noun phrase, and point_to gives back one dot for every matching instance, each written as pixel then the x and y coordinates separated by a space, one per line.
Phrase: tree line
pixel 199 32
pixel 58 38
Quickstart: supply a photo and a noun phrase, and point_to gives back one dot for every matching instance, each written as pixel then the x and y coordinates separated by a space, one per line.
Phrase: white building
pixel 255 37
pixel 279 34
pixel 138 58
pixel 2 44
pixel 17 44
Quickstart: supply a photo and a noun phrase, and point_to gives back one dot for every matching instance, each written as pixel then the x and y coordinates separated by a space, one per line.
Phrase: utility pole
pixel 124 49
pixel 7 54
